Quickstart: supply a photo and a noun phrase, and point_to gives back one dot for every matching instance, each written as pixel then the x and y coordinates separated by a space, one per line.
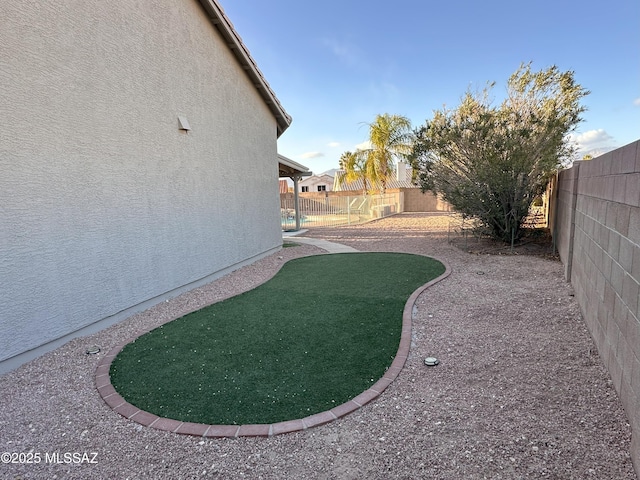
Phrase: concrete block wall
pixel 566 194
pixel 416 201
pixel 598 237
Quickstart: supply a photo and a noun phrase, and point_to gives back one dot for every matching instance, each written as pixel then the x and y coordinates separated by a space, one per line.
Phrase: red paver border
pixel 131 412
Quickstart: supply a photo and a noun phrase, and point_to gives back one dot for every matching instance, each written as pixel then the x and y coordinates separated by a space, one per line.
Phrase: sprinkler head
pixel 431 361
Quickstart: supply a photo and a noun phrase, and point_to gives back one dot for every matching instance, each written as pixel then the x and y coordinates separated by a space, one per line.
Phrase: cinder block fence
pixel 597 231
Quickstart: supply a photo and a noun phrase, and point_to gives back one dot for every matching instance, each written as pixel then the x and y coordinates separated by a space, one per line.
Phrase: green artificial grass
pixel 319 333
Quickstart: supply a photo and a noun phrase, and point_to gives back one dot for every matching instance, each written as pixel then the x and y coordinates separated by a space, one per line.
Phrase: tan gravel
pixel 520 391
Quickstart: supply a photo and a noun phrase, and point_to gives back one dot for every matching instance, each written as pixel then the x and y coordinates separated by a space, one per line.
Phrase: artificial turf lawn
pixel 319 333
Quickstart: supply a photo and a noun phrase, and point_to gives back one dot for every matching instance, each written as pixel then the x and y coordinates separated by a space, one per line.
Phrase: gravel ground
pixel 520 391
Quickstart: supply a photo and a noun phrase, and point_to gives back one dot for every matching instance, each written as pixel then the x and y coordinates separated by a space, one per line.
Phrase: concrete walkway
pixel 330 247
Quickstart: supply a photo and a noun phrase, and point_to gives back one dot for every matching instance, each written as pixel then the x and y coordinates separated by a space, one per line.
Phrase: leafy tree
pixel 490 162
pixel 390 138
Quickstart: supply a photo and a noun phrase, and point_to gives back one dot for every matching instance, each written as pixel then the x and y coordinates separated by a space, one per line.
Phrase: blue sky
pixel 335 65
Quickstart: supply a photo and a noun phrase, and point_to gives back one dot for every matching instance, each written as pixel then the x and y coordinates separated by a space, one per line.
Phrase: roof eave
pixel 222 23
pixel 288 168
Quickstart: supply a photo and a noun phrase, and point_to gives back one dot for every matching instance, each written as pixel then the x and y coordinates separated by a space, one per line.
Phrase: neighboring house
pixel 138 157
pixel 402 178
pixel 317 183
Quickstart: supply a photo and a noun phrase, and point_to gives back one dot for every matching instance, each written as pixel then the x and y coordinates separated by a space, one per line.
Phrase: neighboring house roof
pixel 318 178
pixel 331 172
pixel 358 184
pixel 222 23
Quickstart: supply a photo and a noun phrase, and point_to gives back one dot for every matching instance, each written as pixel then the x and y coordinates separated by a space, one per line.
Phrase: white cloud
pixel 591 138
pixel 339 49
pixel 364 145
pixel 346 52
pixel 636 102
pixel 309 155
pixel 333 144
pixel 592 142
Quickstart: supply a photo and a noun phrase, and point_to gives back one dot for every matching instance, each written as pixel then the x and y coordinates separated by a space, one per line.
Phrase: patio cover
pixel 294 171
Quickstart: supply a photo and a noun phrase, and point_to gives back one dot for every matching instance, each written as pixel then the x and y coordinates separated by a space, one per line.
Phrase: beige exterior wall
pixel 106 206
pixel 597 230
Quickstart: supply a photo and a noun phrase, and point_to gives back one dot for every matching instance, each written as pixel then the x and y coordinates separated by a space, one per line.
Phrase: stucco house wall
pixel 106 205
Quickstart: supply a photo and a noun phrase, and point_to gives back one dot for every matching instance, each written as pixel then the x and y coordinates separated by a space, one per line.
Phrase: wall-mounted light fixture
pixel 183 123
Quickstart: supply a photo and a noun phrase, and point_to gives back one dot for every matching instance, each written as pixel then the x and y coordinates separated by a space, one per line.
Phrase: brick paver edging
pixel 118 404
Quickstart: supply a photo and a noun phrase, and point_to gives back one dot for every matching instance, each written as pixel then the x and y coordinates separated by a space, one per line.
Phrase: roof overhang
pixel 221 23
pixel 289 168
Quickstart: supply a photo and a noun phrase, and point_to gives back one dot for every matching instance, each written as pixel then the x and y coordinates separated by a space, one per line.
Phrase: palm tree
pixel 354 167
pixel 391 139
